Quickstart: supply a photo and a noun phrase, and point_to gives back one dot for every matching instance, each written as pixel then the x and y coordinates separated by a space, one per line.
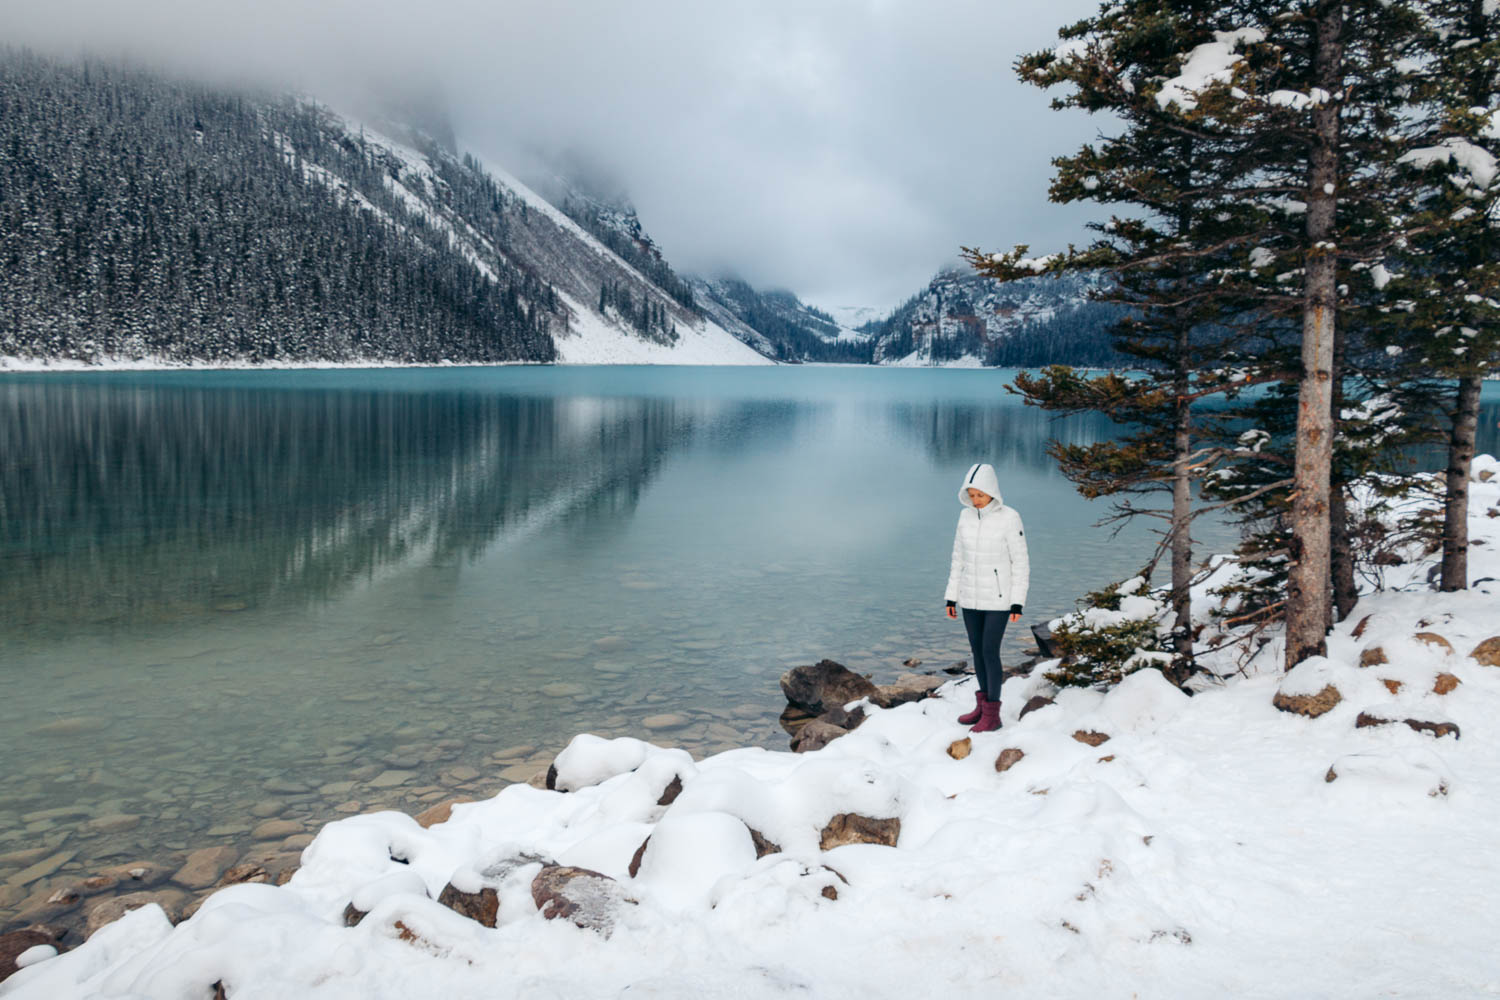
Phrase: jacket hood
pixel 980 477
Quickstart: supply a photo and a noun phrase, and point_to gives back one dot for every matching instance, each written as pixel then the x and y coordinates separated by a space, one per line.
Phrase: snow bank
pixel 1201 835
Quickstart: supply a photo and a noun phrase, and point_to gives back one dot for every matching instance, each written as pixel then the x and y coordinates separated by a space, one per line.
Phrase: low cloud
pixel 844 149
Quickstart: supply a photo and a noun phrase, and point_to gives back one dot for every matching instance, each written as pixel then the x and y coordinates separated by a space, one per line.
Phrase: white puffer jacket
pixel 991 570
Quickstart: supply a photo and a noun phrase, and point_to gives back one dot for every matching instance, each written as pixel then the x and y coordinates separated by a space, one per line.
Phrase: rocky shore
pixel 80 867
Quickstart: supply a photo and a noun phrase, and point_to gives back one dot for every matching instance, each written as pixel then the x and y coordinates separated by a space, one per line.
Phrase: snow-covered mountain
pixel 964 319
pixel 274 230
pixel 774 322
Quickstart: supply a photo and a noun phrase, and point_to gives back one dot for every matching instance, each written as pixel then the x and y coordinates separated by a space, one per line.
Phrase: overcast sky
pixel 844 149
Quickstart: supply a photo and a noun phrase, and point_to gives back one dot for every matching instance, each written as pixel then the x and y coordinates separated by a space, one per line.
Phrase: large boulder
pixel 816 735
pixel 482 906
pixel 443 811
pixel 204 866
pixel 1009 758
pixel 14 944
pixel 823 685
pixel 912 687
pixel 108 910
pixel 852 828
pixel 586 898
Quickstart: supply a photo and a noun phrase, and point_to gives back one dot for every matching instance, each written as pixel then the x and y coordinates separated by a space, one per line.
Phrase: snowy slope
pixel 1212 846
pixel 577 264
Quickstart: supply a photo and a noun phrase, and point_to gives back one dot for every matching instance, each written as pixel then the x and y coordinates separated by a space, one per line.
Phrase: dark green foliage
pixel 1101 655
pixel 143 217
pixel 621 232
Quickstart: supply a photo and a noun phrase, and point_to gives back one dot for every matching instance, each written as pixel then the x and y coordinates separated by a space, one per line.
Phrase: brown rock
pixel 911 687
pixel 585 898
pixel 1310 705
pixel 1009 758
pixel 48 905
pixel 793 718
pixel 16 942
pixel 1373 657
pixel 1106 758
pixel 843 718
pixel 1090 737
pixel 959 749
pixel 353 915
pixel 113 823
pixel 821 686
pixel 635 859
pixel 762 845
pixel 482 906
pixel 1445 683
pixel 204 867
pixel 670 793
pixel 106 911
pixel 1035 703
pixel 240 874
pixel 852 828
pixel 42 868
pixel 1487 652
pixel 1433 639
pixel 1359 629
pixel 816 735
pixel 276 829
pixel 1437 729
pixel 1392 686
pixel 433 815
pixel 829 892
pixel 138 874
pixel 550 781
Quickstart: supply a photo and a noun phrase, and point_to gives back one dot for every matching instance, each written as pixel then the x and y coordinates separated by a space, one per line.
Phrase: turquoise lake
pixel 233 596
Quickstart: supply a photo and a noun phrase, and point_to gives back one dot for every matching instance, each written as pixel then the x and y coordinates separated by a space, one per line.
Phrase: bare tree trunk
pixel 1345 589
pixel 1456 502
pixel 1307 608
pixel 1182 515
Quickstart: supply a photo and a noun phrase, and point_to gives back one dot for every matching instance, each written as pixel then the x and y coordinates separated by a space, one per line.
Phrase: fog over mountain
pixel 843 149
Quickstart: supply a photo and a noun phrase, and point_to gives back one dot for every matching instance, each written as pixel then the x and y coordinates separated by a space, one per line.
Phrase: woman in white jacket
pixel 988 581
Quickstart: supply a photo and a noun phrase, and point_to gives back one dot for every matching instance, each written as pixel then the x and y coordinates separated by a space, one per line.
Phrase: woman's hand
pixel 1015 616
pixel 951 611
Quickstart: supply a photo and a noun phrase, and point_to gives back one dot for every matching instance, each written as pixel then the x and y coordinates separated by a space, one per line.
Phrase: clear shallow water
pixel 226 597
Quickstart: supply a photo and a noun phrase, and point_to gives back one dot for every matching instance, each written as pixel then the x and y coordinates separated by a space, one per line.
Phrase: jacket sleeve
pixel 951 592
pixel 1020 562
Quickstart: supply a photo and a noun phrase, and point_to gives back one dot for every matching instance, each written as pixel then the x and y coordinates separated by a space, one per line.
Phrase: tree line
pixel 1298 202
pixel 146 217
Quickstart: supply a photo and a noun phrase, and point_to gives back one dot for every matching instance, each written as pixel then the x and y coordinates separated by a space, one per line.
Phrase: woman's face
pixel 978 498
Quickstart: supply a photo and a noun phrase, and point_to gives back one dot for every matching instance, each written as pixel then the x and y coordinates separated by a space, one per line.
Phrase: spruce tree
pixel 1446 286
pixel 1296 114
pixel 1180 329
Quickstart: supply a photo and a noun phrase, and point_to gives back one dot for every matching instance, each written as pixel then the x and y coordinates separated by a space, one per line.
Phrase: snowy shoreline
pixel 1261 838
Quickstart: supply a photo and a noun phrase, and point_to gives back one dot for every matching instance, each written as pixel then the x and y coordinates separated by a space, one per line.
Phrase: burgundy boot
pixel 969 718
pixel 989 717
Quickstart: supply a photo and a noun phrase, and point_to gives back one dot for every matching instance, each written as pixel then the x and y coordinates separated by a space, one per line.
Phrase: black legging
pixel 986 629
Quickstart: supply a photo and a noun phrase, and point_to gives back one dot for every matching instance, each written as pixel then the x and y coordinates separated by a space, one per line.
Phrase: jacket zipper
pixel 998 593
